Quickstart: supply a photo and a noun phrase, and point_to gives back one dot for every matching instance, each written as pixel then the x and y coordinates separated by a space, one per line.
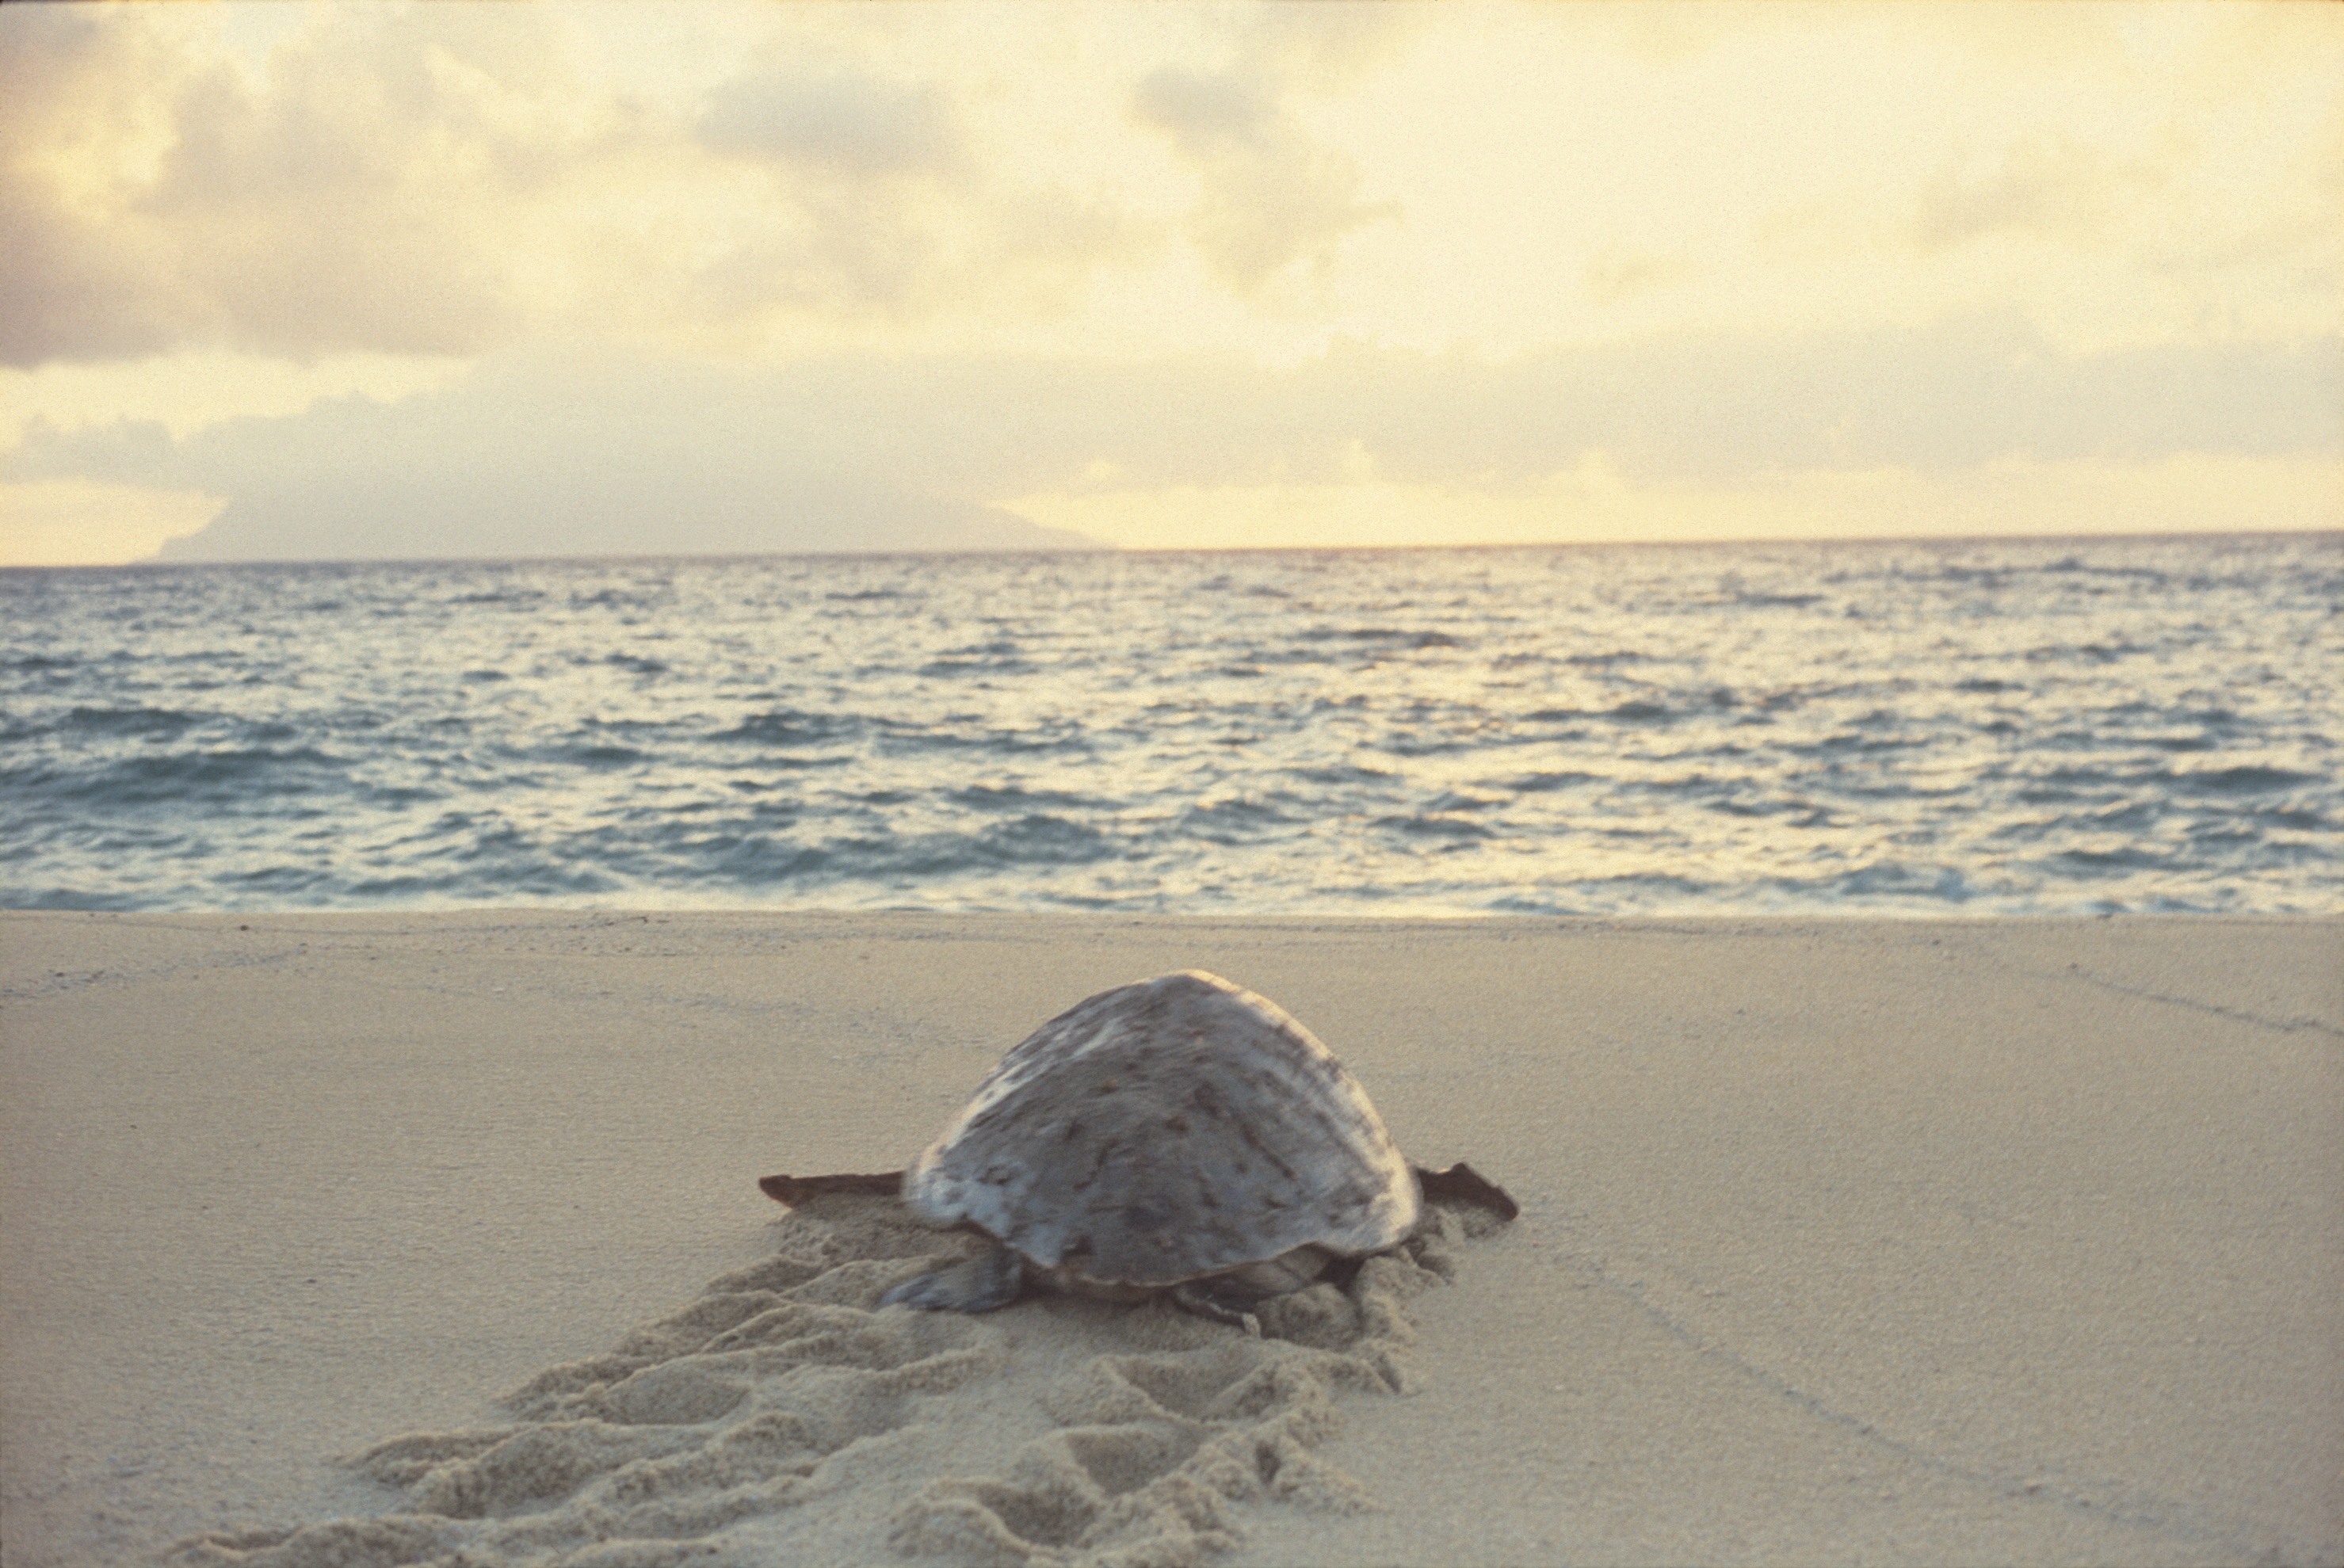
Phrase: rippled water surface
pixel 1980 727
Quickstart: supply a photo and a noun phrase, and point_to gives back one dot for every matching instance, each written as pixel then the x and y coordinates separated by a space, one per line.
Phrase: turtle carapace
pixel 1179 1134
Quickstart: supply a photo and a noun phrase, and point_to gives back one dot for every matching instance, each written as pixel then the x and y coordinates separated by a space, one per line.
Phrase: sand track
pixel 778 1417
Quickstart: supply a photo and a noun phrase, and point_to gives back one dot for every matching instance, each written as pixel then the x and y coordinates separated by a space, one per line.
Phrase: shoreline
pixel 1907 1238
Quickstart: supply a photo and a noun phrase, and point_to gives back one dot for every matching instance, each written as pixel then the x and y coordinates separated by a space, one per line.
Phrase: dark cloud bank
pixel 594 454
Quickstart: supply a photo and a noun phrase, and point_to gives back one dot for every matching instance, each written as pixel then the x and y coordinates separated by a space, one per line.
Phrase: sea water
pixel 1978 727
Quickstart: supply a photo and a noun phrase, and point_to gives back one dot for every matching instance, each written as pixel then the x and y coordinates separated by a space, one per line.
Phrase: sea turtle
pixel 1180 1133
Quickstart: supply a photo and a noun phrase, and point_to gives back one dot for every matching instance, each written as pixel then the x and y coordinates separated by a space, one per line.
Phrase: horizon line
pixel 2131 536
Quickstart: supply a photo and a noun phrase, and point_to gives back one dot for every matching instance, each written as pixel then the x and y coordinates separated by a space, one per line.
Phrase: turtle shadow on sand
pixel 1180 1136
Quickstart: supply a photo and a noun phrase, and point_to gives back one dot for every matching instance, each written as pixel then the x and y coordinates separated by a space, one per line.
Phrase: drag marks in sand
pixel 780 1417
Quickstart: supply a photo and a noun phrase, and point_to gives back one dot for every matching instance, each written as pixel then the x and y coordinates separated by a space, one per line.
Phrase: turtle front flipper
pixel 991 1280
pixel 1221 1299
pixel 1230 1298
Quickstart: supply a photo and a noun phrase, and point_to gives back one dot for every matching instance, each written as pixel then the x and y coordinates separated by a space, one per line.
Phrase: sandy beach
pixel 1896 1242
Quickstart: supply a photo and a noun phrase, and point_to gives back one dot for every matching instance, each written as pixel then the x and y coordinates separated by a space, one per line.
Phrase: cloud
pixel 443 180
pixel 774 182
pixel 2012 496
pixel 1328 44
pixel 1709 408
pixel 538 456
pixel 1270 197
pixel 585 454
pixel 69 83
pixel 2051 186
pixel 839 123
pixel 1617 275
pixel 872 200
pixel 349 205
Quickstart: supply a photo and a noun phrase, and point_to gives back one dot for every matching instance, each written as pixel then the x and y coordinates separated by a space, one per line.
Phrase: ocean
pixel 1911 728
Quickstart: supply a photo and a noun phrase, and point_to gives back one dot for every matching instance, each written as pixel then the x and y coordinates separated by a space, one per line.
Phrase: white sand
pixel 1841 1241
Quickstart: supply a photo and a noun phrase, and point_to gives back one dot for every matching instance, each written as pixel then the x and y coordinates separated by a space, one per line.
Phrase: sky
pixel 381 280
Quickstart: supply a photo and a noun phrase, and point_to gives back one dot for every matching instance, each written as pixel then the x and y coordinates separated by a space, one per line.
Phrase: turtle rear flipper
pixel 990 1281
